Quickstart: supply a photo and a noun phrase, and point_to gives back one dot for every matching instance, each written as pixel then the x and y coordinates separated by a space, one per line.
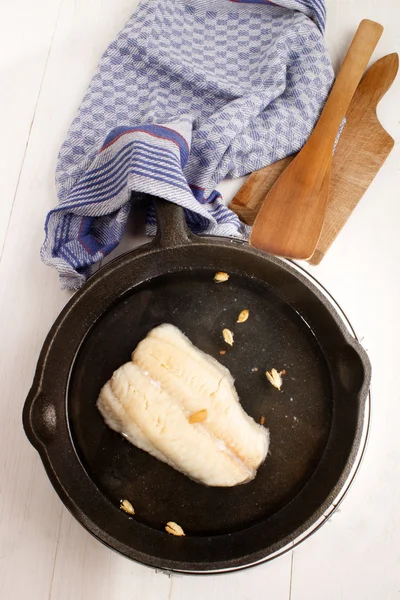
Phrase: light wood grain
pixel 81 561
pixel 290 220
pixel 30 511
pixel 21 73
pixel 362 149
pixel 271 580
pixel 367 526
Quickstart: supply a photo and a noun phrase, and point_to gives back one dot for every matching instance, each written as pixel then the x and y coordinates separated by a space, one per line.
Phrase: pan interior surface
pixel 275 336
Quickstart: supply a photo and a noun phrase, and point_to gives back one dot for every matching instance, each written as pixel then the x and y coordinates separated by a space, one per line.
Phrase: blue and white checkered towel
pixel 190 92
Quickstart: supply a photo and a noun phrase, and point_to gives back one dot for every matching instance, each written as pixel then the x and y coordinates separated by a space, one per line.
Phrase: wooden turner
pixel 291 217
pixel 362 149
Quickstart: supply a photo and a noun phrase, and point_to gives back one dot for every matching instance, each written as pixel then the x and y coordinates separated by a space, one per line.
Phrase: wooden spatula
pixel 291 217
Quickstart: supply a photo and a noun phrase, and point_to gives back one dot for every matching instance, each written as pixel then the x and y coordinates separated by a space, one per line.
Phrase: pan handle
pixel 172 229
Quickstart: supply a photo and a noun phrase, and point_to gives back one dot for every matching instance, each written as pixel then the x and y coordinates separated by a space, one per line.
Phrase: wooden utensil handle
pixel 378 80
pixel 349 76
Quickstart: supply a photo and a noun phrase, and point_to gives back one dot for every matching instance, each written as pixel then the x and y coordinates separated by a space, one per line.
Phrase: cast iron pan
pixel 315 423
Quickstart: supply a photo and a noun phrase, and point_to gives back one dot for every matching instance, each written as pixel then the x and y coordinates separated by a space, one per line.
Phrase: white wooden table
pixel 49 50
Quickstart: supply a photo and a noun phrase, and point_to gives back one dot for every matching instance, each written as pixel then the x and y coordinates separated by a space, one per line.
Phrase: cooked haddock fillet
pixel 151 399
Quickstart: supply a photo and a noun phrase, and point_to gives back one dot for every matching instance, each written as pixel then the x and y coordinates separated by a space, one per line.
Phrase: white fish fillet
pixel 150 400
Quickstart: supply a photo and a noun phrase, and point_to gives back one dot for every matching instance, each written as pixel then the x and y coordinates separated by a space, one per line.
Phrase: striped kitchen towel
pixel 190 92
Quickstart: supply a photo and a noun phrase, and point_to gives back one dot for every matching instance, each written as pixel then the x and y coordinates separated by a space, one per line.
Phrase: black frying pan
pixel 316 422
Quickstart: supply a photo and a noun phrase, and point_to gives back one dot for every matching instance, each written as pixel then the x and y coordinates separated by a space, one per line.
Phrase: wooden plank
pixel 86 570
pixel 23 57
pixel 29 301
pixel 357 554
pixel 30 511
pixel 270 580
